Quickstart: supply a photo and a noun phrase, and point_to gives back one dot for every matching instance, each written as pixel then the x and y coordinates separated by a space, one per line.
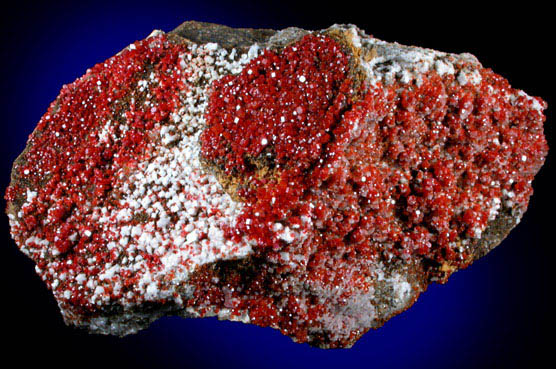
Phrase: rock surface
pixel 311 181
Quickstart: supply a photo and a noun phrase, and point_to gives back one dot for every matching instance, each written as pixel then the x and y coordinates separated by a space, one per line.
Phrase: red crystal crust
pixel 73 166
pixel 416 165
pixel 409 171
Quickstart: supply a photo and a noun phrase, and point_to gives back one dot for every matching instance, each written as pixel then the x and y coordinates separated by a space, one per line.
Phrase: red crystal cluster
pixel 413 166
pixel 282 110
pixel 409 170
pixel 73 166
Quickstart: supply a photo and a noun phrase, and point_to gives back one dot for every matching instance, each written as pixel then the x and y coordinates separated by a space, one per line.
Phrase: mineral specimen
pixel 314 182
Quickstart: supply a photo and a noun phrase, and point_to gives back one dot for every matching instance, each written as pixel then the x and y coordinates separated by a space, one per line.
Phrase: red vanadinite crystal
pixel 288 102
pixel 408 170
pixel 415 165
pixel 74 166
pixel 281 109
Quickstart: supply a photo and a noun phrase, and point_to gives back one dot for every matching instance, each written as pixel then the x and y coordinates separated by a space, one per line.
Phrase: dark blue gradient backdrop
pixel 494 314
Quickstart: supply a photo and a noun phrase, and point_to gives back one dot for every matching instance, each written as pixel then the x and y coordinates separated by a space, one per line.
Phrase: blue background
pixel 494 314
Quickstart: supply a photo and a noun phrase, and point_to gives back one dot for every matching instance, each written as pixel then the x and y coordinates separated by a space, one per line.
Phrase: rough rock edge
pixel 119 321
